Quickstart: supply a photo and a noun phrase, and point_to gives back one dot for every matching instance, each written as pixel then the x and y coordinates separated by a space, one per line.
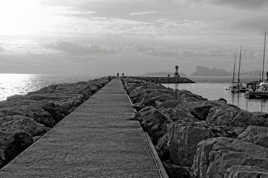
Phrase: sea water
pixel 214 91
pixel 13 84
pixel 20 84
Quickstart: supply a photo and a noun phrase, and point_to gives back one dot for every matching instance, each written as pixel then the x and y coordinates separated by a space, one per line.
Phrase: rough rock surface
pixel 199 138
pixel 12 144
pixel 175 171
pixel 183 140
pixel 155 123
pixel 246 172
pixel 25 124
pixel 255 134
pixel 215 156
pixel 233 116
pixel 31 109
pixel 24 118
pixel 178 114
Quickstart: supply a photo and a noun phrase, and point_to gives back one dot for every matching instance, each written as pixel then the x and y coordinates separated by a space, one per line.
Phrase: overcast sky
pixel 101 37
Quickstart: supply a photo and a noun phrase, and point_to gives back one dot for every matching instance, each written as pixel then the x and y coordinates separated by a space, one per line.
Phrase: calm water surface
pixel 214 91
pixel 11 84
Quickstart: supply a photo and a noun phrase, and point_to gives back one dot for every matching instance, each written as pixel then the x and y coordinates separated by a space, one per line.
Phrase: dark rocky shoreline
pixel 199 138
pixel 25 118
pixel 165 79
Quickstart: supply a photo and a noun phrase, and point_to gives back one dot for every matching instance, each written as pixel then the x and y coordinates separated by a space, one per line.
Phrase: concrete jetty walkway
pixel 97 140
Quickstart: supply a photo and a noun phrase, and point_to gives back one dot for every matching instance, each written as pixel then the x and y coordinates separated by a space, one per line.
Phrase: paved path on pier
pixel 97 140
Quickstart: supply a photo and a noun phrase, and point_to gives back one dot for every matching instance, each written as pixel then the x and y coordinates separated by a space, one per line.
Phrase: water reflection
pixel 215 91
pixel 257 105
pixel 15 84
pixel 11 84
pixel 236 99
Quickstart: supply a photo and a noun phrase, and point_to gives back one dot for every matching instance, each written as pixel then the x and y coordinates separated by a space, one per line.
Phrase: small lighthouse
pixel 176 74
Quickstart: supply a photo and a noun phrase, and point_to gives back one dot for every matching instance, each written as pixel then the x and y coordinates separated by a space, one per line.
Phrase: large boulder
pixel 180 142
pixel 175 171
pixel 15 123
pixel 162 147
pixel 178 114
pixel 151 97
pixel 154 122
pixel 56 97
pixel 45 108
pixel 183 140
pixel 178 110
pixel 246 172
pixel 138 91
pixel 11 144
pixel 233 116
pixel 59 109
pixel 201 109
pixel 34 110
pixel 198 109
pixel 84 88
pixel 187 96
pixel 216 156
pixel 255 134
pixel 146 111
pixel 158 99
pixel 169 104
pixel 201 112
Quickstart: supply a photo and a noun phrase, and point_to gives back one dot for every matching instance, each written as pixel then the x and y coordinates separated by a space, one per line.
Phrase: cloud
pixel 116 8
pixel 142 13
pixel 78 49
pixel 114 25
pixel 161 52
pixel 257 24
pixel 2 49
pixel 184 52
pixel 76 13
pixel 240 3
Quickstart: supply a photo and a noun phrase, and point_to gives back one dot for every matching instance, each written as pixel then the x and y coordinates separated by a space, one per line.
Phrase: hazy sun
pixel 22 17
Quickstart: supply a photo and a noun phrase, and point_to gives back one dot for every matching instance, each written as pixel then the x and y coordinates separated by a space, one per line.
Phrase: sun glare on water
pixel 22 17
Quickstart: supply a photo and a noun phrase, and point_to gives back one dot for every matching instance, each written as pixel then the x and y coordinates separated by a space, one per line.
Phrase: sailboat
pixel 237 86
pixel 260 90
pixel 233 77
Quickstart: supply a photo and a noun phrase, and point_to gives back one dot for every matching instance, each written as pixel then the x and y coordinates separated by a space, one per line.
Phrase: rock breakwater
pixel 165 79
pixel 199 138
pixel 25 118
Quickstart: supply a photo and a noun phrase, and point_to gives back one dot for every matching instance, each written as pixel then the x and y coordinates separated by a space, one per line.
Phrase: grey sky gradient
pixel 100 37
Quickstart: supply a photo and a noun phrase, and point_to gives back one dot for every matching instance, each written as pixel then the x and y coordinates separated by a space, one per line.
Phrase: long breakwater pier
pixel 98 139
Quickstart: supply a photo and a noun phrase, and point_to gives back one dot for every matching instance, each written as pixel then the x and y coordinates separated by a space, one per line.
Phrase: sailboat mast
pixel 239 65
pixel 263 60
pixel 233 80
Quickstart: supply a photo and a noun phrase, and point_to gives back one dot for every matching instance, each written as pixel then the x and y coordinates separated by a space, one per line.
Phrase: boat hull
pixel 239 91
pixel 256 95
pixel 235 89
